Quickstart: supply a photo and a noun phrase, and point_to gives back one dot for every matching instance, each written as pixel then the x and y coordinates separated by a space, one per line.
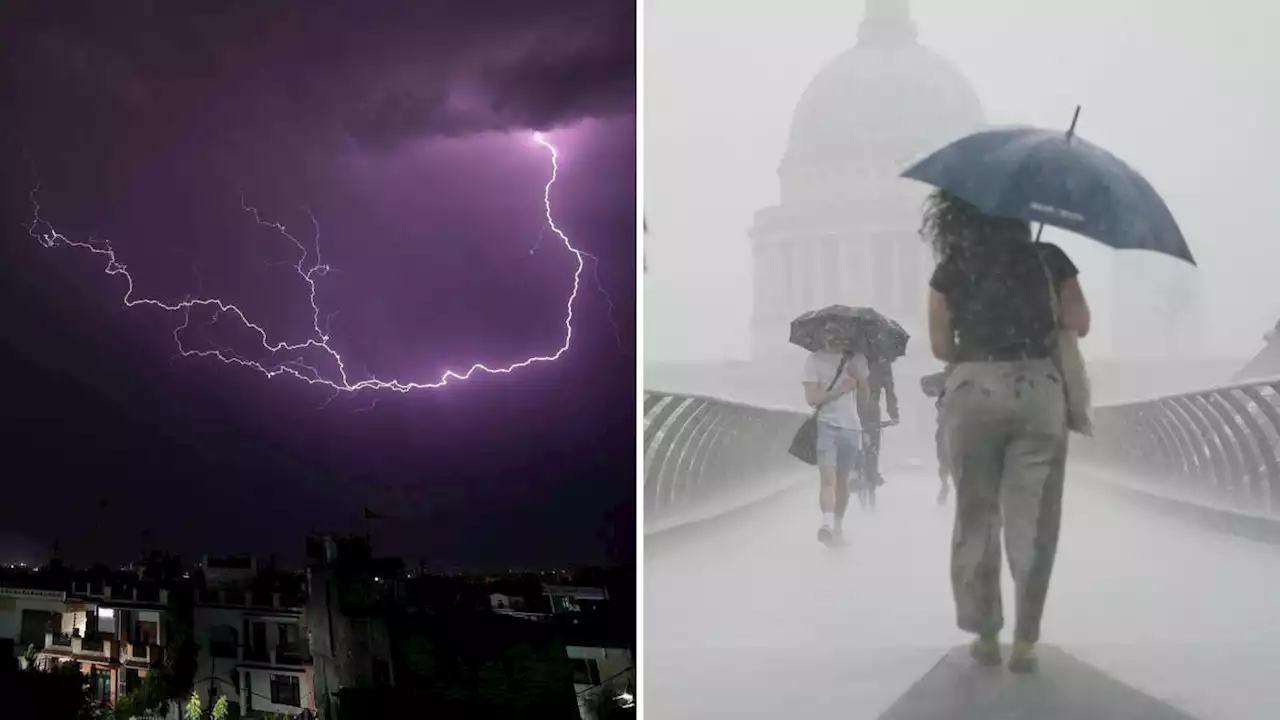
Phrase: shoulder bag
pixel 1070 363
pixel 804 446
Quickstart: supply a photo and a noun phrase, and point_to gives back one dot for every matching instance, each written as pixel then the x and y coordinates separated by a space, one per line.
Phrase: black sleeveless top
pixel 999 299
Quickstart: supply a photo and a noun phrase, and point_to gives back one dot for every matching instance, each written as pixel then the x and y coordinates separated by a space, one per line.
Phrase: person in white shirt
pixel 839 428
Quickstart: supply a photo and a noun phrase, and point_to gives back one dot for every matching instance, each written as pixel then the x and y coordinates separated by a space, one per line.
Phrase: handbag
pixel 804 446
pixel 1069 361
pixel 933 385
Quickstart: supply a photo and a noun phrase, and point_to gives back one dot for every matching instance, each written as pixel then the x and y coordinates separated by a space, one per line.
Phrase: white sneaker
pixel 826 536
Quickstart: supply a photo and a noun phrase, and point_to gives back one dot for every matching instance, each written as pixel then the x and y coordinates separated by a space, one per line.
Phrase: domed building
pixel 846 227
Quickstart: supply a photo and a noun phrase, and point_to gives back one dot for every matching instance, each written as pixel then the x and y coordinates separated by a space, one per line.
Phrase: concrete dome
pixel 877 106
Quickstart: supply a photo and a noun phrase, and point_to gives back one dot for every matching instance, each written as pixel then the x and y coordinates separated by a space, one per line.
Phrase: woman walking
pixel 1004 418
pixel 835 381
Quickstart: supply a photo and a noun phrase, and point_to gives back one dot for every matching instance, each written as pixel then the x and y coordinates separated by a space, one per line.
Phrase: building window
pixel 256 641
pixel 285 690
pixel 585 671
pixel 222 641
pixel 35 623
pixel 288 645
pixel 100 684
pixel 146 633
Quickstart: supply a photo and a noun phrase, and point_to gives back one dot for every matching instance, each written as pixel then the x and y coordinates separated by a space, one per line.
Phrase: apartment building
pixel 349 593
pixel 26 609
pixel 114 629
pixel 249 622
pixel 598 641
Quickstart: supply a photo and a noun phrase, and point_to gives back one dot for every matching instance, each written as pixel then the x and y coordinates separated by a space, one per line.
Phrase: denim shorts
pixel 839 448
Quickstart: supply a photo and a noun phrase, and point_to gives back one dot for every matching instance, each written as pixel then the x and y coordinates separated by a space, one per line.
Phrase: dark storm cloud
pixel 577 61
pixel 377 72
pixel 140 120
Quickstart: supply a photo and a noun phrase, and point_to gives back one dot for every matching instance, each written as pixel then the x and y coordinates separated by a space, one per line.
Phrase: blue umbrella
pixel 1056 179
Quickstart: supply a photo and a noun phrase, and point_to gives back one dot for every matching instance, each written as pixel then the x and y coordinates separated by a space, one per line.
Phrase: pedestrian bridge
pixel 1165 599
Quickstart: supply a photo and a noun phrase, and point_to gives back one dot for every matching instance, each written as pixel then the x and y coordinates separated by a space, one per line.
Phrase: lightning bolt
pixel 595 273
pixel 289 358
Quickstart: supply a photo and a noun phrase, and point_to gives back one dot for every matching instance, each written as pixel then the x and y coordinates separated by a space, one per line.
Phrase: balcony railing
pixel 140 654
pixel 250 599
pixel 292 654
pixel 145 594
pixel 92 646
pixel 58 641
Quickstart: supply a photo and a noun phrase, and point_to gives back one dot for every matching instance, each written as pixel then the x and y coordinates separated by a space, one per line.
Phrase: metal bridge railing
pixel 703 455
pixel 1220 446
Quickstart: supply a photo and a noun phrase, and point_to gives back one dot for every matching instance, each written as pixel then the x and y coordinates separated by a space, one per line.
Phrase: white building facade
pixel 253 641
pixel 846 228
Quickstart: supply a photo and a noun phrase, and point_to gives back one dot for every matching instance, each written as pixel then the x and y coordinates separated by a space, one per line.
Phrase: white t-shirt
pixel 819 369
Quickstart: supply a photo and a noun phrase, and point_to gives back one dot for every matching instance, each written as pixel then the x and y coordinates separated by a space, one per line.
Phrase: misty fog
pixel 755 620
pixel 1172 88
pixel 748 617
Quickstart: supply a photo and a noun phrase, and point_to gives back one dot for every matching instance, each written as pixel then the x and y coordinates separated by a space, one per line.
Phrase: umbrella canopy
pixel 858 329
pixel 1057 179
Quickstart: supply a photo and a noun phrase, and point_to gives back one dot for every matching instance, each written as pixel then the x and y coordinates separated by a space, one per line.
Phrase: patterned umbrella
pixel 859 329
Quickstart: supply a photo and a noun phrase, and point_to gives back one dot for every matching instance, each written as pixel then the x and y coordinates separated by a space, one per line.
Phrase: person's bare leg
pixel 846 466
pixel 827 502
pixel 827 490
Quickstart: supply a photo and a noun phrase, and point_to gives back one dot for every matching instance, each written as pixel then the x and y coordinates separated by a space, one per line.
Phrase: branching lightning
pixel 595 272
pixel 288 357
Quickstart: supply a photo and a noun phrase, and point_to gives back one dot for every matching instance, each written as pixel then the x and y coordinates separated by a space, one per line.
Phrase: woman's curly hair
pixel 951 224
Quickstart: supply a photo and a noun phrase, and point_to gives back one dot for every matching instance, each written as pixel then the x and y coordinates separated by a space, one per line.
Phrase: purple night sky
pixel 406 128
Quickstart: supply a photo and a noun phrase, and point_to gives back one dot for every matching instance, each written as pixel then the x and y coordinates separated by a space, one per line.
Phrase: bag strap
pixel 844 359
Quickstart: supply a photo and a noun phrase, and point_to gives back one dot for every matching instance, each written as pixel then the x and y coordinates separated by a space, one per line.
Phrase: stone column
pixel 882 282
pixel 795 277
pixel 761 279
pixel 833 281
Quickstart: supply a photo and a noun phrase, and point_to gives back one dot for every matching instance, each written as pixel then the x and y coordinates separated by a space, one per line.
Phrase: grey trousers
pixel 940 440
pixel 1006 444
